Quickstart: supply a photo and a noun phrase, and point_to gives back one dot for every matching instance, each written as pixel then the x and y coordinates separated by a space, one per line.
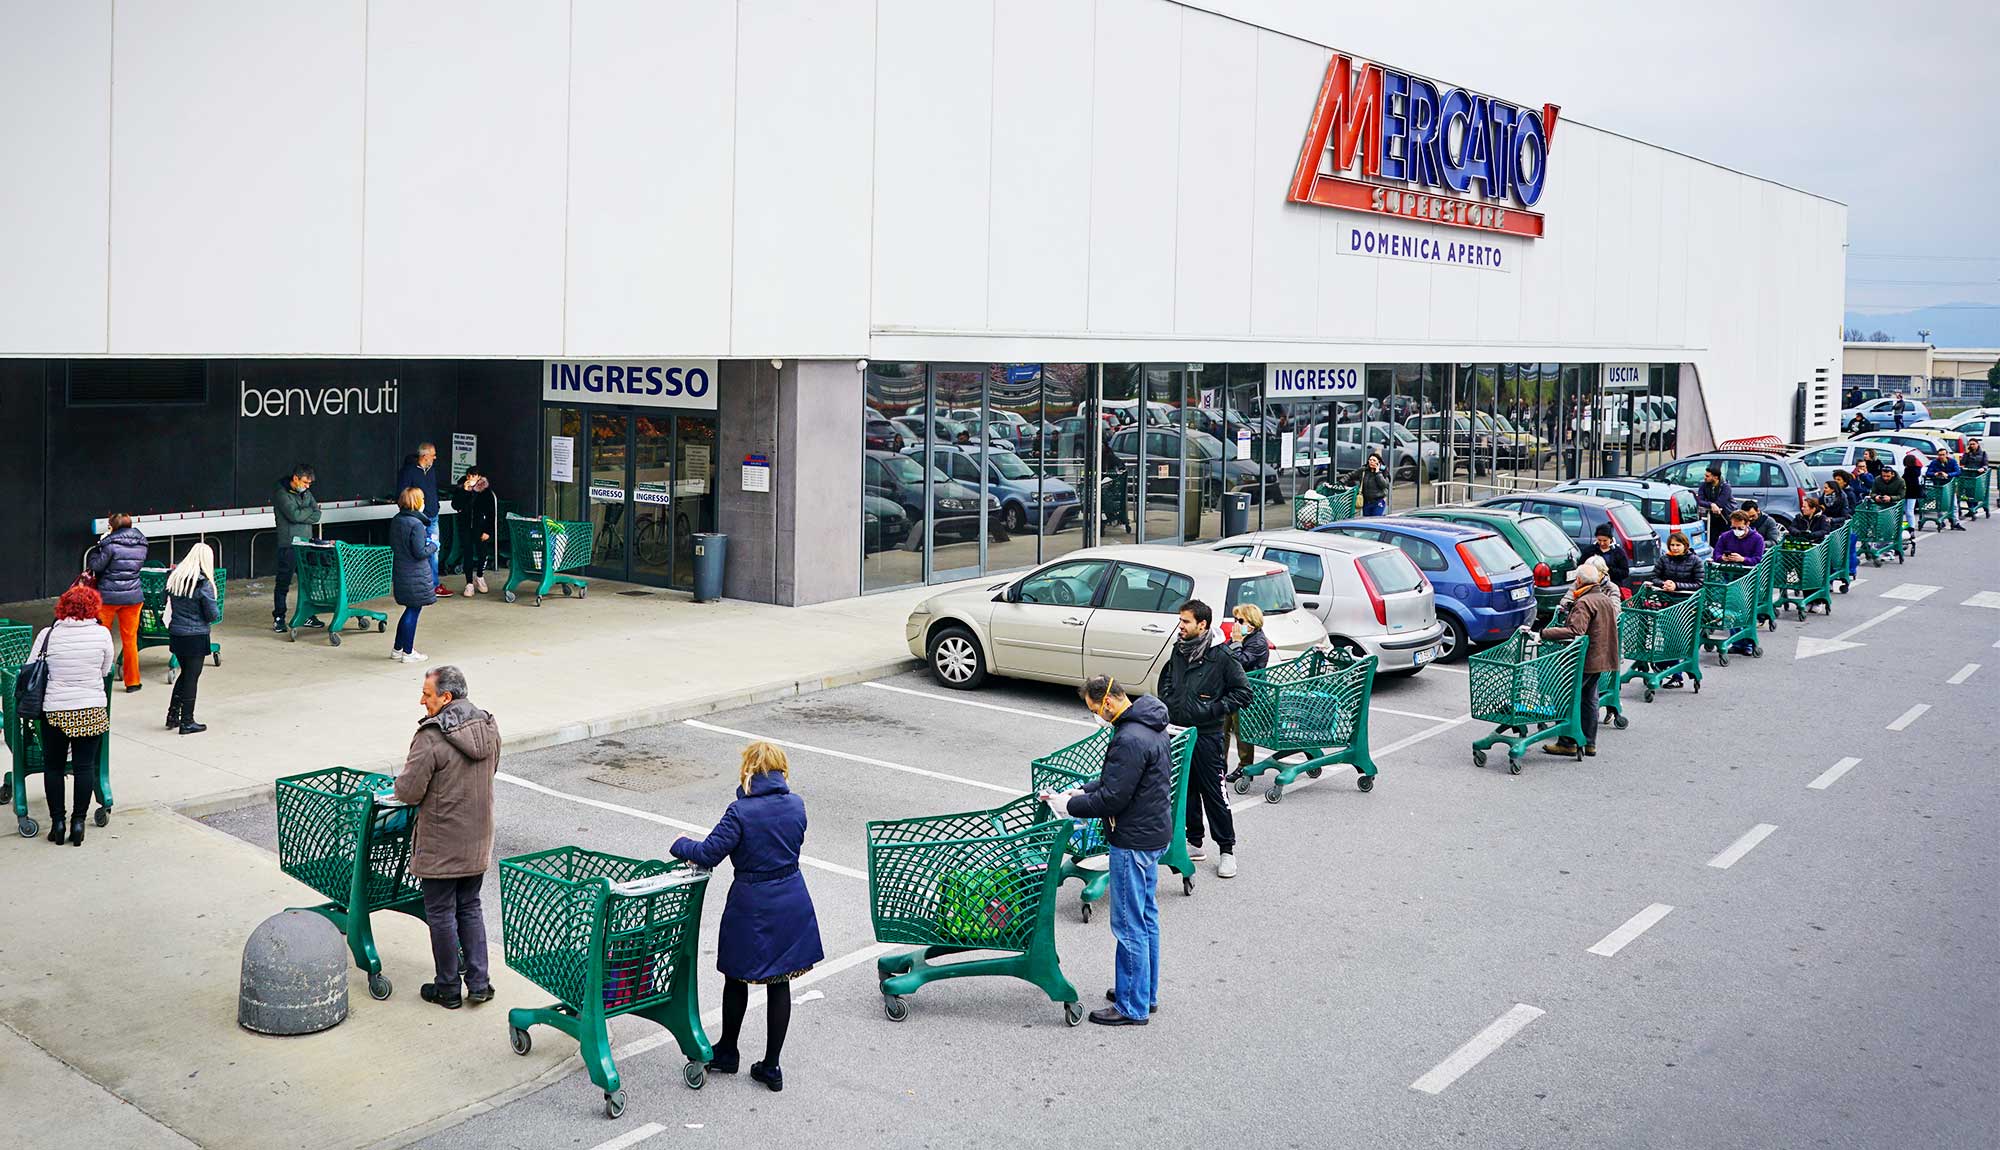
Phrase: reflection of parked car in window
pixel 1163 464
pixel 1025 498
pixel 1580 516
pixel 882 435
pixel 1099 611
pixel 1372 599
pixel 1483 591
pixel 1351 451
pixel 900 479
pixel 884 524
pixel 1518 443
pixel 1477 447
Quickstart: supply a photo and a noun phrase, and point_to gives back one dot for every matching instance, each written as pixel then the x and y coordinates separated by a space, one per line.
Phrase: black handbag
pixel 31 683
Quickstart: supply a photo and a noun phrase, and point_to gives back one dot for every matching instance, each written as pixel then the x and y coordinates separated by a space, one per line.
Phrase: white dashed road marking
pixel 1910 716
pixel 1964 673
pixel 1832 774
pixel 1742 846
pixel 1472 1053
pixel 1984 599
pixel 1635 926
pixel 1914 592
pixel 632 1137
pixel 1011 792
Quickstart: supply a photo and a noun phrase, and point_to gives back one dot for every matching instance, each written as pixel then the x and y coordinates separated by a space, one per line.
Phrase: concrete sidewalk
pixel 570 669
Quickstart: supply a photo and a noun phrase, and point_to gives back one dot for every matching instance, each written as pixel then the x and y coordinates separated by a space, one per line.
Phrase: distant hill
pixel 1950 325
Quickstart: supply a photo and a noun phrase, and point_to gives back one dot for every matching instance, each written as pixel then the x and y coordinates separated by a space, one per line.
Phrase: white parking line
pixel 1964 673
pixel 1910 716
pixel 1742 846
pixel 1449 670
pixel 1984 599
pixel 1410 714
pixel 1011 792
pixel 631 1137
pixel 1472 1053
pixel 983 706
pixel 1635 926
pixel 713 1018
pixel 651 817
pixel 1420 736
pixel 1832 774
pixel 1914 592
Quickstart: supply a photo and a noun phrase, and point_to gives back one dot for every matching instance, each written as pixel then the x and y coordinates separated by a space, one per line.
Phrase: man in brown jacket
pixel 1590 609
pixel 448 776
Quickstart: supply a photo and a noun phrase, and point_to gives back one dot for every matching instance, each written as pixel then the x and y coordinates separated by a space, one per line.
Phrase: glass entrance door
pixel 647 485
pixel 607 492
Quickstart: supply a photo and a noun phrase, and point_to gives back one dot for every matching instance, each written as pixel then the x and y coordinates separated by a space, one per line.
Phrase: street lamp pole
pixel 1924 334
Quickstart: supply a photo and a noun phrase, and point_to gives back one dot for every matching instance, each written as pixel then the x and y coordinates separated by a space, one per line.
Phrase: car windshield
pixel 1208 446
pixel 906 470
pixel 1272 593
pixel 1547 537
pixel 1391 572
pixel 1495 555
pixel 1501 423
pixel 1009 465
pixel 1629 518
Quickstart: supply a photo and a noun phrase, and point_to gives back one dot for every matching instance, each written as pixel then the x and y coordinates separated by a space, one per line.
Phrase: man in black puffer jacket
pixel 1202 684
pixel 1134 796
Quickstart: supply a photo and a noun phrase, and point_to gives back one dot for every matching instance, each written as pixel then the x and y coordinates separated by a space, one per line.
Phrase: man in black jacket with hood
pixel 1134 796
pixel 420 471
pixel 1202 684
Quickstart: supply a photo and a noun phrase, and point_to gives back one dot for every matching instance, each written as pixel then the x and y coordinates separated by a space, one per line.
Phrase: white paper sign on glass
pixel 562 459
pixel 1286 380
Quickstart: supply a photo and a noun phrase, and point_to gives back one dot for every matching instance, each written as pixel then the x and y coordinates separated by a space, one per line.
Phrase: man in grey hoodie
pixel 448 776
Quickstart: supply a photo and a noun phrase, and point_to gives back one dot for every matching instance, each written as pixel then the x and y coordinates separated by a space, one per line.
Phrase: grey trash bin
pixel 1235 513
pixel 710 550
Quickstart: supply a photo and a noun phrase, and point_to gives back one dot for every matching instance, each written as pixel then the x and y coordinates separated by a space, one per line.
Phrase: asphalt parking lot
pixel 1719 932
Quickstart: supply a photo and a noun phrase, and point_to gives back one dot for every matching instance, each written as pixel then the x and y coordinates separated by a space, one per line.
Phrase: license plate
pixel 1523 592
pixel 1426 655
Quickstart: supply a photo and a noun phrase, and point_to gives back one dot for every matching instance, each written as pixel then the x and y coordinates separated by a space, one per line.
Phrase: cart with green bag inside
pixel 335 576
pixel 1314 706
pixel 1322 505
pixel 1805 574
pixel 342 833
pixel 1729 609
pixel 1878 529
pixel 24 756
pixel 542 552
pixel 974 881
pixel 153 614
pixel 1937 504
pixel 1530 689
pixel 1975 493
pixel 606 935
pixel 1086 853
pixel 1660 632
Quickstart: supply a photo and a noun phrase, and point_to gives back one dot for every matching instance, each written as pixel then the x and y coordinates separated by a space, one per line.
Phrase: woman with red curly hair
pixel 75 712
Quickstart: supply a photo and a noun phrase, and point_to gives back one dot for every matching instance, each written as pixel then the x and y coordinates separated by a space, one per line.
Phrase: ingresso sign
pixel 683 383
pixel 1289 380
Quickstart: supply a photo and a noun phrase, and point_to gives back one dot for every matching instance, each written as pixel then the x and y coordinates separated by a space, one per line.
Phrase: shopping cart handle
pixel 653 884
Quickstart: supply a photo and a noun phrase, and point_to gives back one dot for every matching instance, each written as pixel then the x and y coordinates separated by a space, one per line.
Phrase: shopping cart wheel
pixel 102 817
pixel 895 1007
pixel 614 1103
pixel 1187 884
pixel 1513 764
pixel 1620 721
pixel 333 637
pixel 1085 909
pixel 1478 756
pixel 1697 686
pixel 1366 783
pixel 1649 694
pixel 1722 656
pixel 1315 772
pixel 508 594
pixel 1276 793
pixel 1757 652
pixel 381 625
pixel 1072 1013
pixel 695 1074
pixel 566 591
pixel 583 592
pixel 538 600
pixel 28 827
pixel 1241 783
pixel 379 987
pixel 520 1040
pixel 292 633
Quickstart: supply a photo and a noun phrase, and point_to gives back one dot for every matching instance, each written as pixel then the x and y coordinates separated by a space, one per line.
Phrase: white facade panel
pixel 254 247
pixel 1218 64
pixel 1580 169
pixel 465 177
pixel 651 153
pixel 1286 238
pixel 804 162
pixel 1676 177
pixel 1346 286
pixel 1642 224
pixel 1134 197
pixel 55 127
pixel 1038 265
pixel 1614 263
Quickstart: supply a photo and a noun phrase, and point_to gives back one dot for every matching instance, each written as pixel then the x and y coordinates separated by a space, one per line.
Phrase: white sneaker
pixel 1226 868
pixel 395 654
pixel 471 589
pixel 482 586
pixel 414 656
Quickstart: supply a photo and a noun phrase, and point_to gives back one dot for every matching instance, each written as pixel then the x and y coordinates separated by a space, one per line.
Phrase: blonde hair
pixel 198 564
pixel 1250 614
pixel 762 758
pixel 412 499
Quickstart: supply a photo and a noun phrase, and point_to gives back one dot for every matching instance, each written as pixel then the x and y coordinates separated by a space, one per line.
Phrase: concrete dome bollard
pixel 294 976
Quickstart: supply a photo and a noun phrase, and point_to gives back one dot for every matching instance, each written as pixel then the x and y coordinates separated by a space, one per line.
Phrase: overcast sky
pixel 1888 107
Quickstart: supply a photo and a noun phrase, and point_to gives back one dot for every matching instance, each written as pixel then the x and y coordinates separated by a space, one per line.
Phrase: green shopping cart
pixel 153 614
pixel 1729 609
pixel 341 833
pixel 24 751
pixel 1843 555
pixel 1659 631
pixel 1529 688
pixel 334 576
pixel 1975 493
pixel 1805 575
pixel 15 639
pixel 540 551
pixel 973 881
pixel 606 935
pixel 1085 854
pixel 1878 529
pixel 1316 706
pixel 1937 504
pixel 1765 597
pixel 1322 505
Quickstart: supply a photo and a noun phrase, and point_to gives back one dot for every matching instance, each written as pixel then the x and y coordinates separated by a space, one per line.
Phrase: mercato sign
pixel 1391 143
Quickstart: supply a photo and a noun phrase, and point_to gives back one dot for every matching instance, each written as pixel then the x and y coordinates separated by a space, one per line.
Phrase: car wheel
pixel 956 660
pixel 1015 518
pixel 1457 643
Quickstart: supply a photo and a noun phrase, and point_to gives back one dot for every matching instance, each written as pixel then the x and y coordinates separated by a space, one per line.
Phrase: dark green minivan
pixel 1535 538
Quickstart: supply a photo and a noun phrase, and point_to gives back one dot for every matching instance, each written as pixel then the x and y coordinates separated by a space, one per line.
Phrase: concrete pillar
pixel 799 543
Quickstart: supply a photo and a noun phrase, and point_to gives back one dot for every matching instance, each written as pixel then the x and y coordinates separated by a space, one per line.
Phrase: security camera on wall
pixel 861 365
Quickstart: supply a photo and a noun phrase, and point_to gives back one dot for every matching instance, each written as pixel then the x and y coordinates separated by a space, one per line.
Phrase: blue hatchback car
pixel 1484 591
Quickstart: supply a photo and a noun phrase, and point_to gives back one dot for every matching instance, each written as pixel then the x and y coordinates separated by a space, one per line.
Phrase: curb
pixel 538 740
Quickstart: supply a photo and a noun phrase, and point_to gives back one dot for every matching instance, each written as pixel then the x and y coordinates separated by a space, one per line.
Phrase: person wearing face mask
pixel 1202 684
pixel 1134 796
pixel 1740 544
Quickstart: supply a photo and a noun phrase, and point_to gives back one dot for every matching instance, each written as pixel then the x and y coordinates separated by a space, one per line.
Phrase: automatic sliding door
pixel 608 492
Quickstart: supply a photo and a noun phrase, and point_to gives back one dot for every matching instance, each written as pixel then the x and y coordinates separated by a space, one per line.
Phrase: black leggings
pixel 191 651
pixel 777 1015
pixel 58 750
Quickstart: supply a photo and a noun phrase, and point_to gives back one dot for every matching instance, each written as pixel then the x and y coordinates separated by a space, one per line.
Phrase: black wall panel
pixel 23 425
pixel 500 402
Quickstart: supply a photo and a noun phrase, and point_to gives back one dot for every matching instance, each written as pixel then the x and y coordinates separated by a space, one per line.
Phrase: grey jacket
pixel 194 614
pixel 448 776
pixel 80 654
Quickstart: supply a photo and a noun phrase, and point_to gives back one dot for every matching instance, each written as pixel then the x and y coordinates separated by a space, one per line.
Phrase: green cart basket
pixel 15 639
pixel 1085 856
pixel 1878 528
pixel 1729 609
pixel 606 935
pixel 541 551
pixel 1805 574
pixel 1975 494
pixel 333 837
pixel 1843 555
pixel 1322 505
pixel 1315 705
pixel 1937 504
pixel 1660 632
pixel 336 575
pixel 1530 690
pixel 24 754
pixel 153 614
pixel 978 880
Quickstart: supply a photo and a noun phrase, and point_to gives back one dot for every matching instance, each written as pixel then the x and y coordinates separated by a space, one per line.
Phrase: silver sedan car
pixel 1368 594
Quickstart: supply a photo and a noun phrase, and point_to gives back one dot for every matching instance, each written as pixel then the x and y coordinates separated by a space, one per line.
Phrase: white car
pixel 1983 423
pixel 1370 596
pixel 1099 611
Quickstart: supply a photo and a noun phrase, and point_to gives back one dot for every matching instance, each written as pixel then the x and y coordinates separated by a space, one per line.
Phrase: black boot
pixel 56 829
pixel 770 1076
pixel 76 830
pixel 193 728
pixel 724 1061
pixel 173 714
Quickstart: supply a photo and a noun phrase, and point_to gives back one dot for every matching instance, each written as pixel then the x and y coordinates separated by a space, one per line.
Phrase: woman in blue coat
pixel 769 933
pixel 411 547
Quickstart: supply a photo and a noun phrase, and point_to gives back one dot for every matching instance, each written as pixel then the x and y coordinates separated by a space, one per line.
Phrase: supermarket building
pixel 889 292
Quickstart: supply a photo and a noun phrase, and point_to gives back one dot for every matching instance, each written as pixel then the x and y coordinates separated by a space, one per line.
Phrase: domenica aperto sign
pixel 1390 143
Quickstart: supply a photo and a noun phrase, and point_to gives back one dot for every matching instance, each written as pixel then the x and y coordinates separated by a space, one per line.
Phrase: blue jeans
pixel 1910 512
pixel 431 531
pixel 406 629
pixel 1135 924
pixel 1379 507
